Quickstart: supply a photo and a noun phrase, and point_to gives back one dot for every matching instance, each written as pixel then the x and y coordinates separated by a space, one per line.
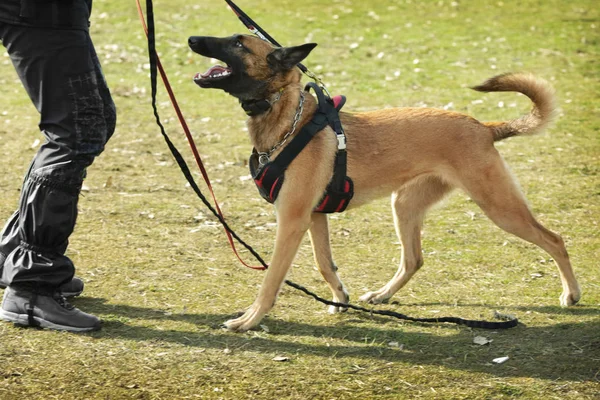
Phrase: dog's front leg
pixel 292 224
pixel 319 237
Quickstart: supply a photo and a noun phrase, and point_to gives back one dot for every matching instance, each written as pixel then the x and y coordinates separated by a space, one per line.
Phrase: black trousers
pixel 61 73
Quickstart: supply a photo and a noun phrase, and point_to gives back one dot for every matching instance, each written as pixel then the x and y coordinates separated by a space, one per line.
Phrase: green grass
pixel 161 275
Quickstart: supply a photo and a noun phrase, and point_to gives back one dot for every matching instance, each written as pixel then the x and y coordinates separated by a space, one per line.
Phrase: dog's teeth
pixel 221 74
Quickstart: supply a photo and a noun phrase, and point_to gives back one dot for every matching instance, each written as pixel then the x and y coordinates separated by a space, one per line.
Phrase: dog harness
pixel 269 174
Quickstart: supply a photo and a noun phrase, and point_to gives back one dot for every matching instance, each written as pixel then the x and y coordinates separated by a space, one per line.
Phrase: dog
pixel 418 155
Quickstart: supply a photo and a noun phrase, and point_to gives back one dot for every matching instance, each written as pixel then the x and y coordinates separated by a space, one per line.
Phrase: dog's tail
pixel 537 89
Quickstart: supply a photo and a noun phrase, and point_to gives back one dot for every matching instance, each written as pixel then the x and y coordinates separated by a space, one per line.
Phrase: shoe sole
pixel 23 320
pixel 71 294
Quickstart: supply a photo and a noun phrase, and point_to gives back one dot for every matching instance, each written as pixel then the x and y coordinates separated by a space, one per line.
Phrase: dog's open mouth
pixel 215 73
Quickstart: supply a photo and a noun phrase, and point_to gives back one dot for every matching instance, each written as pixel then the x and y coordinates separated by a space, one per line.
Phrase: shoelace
pixel 63 302
pixel 58 297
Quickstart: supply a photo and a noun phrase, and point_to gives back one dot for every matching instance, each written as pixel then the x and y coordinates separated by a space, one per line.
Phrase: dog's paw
pixel 250 319
pixel 374 298
pixel 338 309
pixel 568 299
pixel 239 325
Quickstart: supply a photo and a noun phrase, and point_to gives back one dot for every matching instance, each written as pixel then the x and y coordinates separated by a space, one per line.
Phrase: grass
pixel 160 274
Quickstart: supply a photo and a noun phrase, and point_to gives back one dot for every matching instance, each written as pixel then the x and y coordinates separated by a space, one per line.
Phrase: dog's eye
pixel 238 44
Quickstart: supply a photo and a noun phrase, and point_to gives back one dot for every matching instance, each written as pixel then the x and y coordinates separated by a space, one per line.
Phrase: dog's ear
pixel 284 58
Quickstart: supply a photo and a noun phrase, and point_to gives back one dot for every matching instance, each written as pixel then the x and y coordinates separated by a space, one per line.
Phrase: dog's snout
pixel 198 44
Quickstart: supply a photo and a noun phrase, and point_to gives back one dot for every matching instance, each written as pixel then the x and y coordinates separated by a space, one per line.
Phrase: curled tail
pixel 538 90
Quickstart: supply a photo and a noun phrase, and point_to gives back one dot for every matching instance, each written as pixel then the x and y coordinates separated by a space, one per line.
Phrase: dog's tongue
pixel 215 70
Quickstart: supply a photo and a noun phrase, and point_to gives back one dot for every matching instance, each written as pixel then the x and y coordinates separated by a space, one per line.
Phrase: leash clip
pixel 263 159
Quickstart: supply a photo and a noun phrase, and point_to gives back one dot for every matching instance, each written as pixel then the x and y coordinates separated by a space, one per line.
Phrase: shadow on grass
pixel 562 351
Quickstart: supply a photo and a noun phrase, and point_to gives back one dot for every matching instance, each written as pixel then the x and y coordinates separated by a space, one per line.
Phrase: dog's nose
pixel 193 40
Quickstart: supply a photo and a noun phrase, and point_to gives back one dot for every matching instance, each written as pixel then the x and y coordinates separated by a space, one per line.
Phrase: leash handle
pixel 154 65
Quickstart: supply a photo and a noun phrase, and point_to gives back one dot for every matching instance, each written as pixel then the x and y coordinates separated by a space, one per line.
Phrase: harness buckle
pixel 341 138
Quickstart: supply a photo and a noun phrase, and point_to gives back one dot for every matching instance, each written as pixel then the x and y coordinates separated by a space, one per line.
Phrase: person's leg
pixel 61 73
pixel 62 76
pixel 9 240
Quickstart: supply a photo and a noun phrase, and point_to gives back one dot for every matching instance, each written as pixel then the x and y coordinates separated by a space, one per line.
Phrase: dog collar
pixel 257 107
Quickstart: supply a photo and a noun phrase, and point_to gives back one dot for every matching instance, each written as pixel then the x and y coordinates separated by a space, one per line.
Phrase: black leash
pixel 510 323
pixel 153 58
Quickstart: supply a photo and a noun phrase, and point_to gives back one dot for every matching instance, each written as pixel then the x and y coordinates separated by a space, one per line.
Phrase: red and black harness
pixel 269 176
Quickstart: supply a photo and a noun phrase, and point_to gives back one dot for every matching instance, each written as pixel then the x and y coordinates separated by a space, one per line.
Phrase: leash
pixel 155 66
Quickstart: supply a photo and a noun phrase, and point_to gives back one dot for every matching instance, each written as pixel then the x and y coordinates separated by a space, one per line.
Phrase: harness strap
pixel 269 177
pixel 308 131
pixel 340 189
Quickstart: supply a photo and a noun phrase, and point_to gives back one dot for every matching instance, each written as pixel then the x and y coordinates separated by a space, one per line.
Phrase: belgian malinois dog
pixel 418 155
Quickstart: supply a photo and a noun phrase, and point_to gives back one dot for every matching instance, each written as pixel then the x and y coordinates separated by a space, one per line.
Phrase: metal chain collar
pixel 264 158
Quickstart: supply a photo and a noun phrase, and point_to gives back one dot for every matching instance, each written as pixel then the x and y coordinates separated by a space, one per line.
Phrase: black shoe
pixel 26 308
pixel 73 288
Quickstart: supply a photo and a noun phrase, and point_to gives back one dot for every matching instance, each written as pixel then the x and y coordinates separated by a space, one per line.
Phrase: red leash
pixel 190 140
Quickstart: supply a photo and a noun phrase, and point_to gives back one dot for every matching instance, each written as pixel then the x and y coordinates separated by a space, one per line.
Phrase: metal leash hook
pixel 317 80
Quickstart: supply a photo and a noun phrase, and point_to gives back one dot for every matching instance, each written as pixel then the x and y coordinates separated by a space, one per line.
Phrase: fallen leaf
pixel 500 360
pixel 482 341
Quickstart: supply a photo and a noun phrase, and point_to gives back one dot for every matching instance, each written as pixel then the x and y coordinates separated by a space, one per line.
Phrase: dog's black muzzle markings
pixel 233 77
pixel 213 48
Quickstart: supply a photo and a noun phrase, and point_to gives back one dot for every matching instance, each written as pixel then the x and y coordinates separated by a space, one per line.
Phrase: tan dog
pixel 418 155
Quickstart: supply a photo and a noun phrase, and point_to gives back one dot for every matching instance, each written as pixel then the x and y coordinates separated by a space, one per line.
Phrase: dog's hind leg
pixel 409 205
pixel 495 191
pixel 319 237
